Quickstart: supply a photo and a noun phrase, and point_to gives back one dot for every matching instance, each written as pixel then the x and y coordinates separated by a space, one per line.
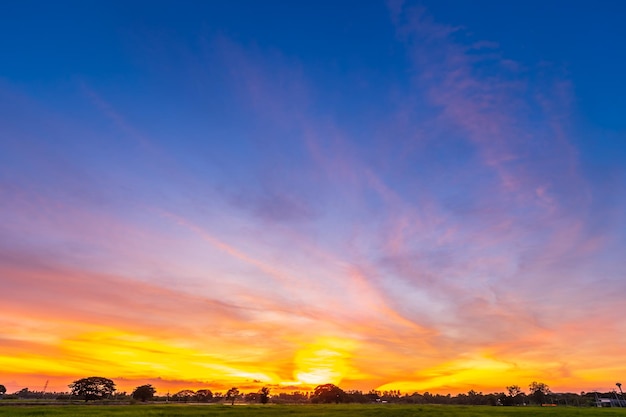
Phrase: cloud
pixel 274 206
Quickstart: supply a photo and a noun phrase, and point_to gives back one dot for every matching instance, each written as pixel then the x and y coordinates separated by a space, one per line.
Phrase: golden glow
pixel 458 373
pixel 194 342
pixel 140 355
pixel 325 361
pixel 113 352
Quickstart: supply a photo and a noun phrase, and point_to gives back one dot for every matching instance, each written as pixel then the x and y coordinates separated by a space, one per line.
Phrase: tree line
pixel 100 388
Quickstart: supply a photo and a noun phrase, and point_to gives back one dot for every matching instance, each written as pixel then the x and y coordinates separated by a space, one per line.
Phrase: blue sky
pixel 325 189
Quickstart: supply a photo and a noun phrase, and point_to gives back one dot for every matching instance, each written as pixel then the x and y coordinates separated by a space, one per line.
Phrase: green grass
pixel 378 410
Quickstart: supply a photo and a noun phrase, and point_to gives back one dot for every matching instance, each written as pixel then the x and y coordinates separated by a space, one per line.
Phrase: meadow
pixel 374 410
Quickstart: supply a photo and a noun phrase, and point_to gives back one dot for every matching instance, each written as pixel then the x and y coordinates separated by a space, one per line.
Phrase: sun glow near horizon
pixel 328 360
pixel 325 361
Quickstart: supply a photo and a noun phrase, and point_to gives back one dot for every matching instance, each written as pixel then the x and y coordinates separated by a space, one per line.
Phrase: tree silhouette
pixel 327 393
pixel 144 393
pixel 3 389
pixel 204 395
pixel 515 392
pixel 231 395
pixel 539 391
pixel 264 395
pixel 184 395
pixel 92 388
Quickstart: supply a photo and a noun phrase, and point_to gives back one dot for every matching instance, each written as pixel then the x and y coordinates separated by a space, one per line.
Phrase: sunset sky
pixel 423 196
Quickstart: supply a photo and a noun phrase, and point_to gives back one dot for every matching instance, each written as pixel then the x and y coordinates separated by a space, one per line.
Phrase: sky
pixel 418 196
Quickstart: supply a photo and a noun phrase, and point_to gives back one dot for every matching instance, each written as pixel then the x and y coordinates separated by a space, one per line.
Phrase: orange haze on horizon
pixel 175 349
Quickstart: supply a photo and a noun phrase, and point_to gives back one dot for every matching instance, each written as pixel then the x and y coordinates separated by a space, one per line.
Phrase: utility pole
pixel 43 392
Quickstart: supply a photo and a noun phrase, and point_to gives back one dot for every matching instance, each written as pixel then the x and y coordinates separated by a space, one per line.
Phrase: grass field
pixel 301 410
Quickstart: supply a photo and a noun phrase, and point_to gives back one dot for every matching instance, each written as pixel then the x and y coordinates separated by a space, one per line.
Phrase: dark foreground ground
pixel 381 410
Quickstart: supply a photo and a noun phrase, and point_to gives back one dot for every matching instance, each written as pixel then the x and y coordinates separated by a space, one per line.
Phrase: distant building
pixel 610 402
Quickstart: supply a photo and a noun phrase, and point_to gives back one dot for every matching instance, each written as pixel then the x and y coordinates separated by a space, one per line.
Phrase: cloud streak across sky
pixel 218 210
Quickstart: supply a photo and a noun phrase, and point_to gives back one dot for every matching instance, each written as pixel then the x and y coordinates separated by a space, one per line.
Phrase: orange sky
pixel 62 324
